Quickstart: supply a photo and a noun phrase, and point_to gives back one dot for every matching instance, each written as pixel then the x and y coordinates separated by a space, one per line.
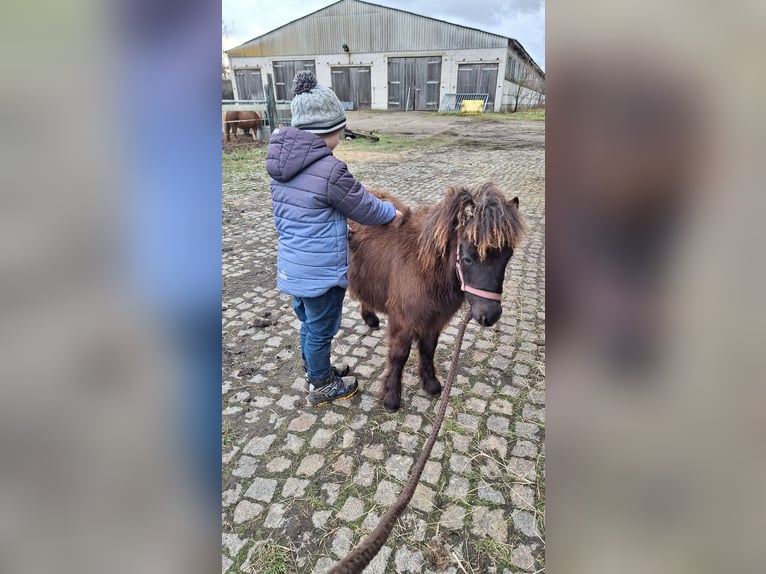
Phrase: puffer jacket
pixel 312 194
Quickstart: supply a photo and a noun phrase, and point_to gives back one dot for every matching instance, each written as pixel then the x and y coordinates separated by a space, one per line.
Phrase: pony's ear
pixel 466 212
pixel 457 208
pixel 515 203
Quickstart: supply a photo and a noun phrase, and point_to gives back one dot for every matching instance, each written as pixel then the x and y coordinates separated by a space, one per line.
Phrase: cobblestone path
pixel 302 486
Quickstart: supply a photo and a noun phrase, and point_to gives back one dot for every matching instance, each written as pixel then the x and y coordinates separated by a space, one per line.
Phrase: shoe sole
pixel 343 373
pixel 308 402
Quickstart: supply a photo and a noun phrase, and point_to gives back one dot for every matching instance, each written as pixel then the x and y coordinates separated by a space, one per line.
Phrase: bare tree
pixel 517 95
pixel 227 29
pixel 530 91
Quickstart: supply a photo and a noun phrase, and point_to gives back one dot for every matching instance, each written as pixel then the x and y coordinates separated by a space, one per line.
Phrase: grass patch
pixel 450 425
pixel 540 496
pixel 531 114
pixel 525 114
pixel 241 163
pixel 228 434
pixel 497 552
pixel 242 171
pixel 271 558
pixel 243 154
pixel 387 145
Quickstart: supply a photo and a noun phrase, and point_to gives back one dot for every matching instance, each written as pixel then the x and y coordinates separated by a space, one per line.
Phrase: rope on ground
pixel 356 560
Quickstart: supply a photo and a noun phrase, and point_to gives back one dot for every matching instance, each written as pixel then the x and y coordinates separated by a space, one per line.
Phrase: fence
pixel 454 102
pixel 282 113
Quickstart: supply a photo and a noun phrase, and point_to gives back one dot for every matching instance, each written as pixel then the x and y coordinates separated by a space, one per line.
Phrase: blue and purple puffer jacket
pixel 312 194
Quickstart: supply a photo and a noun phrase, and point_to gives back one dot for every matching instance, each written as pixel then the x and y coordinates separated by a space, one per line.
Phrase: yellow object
pixel 472 107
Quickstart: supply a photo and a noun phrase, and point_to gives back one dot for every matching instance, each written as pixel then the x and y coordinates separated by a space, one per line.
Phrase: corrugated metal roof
pixel 526 57
pixel 365 27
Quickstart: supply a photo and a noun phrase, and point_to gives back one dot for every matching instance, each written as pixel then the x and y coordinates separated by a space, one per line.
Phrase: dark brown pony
pixel 246 121
pixel 408 270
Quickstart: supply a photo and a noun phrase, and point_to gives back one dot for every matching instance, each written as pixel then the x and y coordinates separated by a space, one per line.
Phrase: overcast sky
pixel 523 20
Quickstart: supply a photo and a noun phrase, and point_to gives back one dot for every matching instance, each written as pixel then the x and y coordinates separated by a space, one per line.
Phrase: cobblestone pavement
pixel 301 485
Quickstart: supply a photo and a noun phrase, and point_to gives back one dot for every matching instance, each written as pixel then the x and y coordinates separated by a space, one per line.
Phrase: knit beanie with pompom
pixel 316 109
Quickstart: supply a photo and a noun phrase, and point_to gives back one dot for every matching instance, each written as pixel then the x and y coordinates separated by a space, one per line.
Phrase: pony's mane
pixel 486 218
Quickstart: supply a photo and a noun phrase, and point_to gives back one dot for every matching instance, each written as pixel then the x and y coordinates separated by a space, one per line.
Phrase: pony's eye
pixel 467 260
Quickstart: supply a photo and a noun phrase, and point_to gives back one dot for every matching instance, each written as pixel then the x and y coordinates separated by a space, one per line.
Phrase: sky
pixel 523 20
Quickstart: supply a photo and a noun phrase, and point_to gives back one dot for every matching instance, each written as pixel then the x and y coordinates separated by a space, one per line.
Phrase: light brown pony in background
pixel 243 120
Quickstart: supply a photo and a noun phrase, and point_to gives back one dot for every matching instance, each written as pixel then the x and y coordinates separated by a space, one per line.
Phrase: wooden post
pixel 271 104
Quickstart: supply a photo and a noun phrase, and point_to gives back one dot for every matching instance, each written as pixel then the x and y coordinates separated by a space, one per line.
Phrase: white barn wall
pixel 378 63
pixel 527 98
pixel 456 57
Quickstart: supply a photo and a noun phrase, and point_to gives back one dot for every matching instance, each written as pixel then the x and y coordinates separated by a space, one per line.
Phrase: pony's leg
pixel 426 349
pixel 399 344
pixel 370 318
pixel 228 132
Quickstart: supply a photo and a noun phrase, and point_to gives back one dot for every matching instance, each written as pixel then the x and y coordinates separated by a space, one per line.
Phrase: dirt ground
pixel 472 130
pixel 425 124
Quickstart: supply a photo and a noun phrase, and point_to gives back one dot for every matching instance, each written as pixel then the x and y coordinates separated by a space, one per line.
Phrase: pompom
pixel 304 81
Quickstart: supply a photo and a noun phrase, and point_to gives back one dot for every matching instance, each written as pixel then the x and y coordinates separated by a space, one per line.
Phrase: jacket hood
pixel 291 151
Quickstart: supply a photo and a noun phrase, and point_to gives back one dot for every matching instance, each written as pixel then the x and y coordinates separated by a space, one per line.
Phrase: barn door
pixel 396 94
pixel 433 75
pixel 414 83
pixel 478 79
pixel 353 84
pixel 284 72
pixel 361 87
pixel 249 84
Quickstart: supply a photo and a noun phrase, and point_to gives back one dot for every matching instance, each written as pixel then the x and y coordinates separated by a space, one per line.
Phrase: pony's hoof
pixel 371 319
pixel 391 404
pixel 432 387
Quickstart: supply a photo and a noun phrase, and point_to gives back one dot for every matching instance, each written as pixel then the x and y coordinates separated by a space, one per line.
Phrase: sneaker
pixel 337 388
pixel 341 370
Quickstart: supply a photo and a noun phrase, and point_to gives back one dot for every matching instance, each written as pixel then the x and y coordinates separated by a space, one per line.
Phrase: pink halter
pixel 473 290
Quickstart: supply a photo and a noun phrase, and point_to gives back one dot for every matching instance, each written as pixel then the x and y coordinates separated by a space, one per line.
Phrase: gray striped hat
pixel 316 109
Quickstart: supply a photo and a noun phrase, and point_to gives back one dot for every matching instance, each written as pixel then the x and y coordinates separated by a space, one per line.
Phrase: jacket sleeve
pixel 352 199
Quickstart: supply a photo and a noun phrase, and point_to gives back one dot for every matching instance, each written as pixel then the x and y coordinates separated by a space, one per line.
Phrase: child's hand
pixel 397 220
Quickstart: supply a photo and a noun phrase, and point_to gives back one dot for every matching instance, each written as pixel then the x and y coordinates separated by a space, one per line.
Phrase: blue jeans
pixel 320 321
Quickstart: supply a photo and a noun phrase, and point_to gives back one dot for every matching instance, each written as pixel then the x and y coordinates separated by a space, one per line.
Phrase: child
pixel 312 194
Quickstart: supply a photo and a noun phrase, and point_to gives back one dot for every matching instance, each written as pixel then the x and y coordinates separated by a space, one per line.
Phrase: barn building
pixel 381 58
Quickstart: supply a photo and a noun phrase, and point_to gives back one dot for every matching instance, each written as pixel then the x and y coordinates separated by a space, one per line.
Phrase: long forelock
pixel 494 225
pixel 489 222
pixel 440 225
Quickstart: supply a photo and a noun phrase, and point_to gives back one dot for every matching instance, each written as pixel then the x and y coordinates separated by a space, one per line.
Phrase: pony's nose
pixel 485 313
pixel 489 317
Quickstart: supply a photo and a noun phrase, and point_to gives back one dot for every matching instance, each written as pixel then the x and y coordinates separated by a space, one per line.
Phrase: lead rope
pixel 356 560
